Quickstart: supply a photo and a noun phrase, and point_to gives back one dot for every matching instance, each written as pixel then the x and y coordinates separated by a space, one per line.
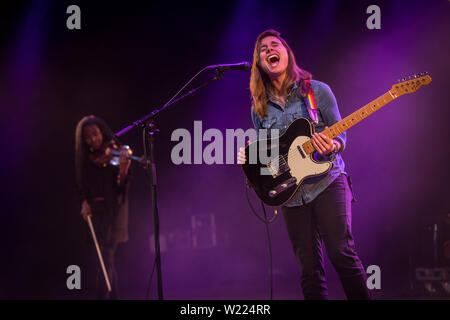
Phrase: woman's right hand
pixel 241 158
pixel 85 210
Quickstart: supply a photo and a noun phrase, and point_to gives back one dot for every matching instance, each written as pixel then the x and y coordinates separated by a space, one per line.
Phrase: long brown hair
pixel 260 82
pixel 82 149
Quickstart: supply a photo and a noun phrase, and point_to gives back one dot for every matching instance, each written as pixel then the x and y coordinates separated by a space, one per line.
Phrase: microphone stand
pixel 149 129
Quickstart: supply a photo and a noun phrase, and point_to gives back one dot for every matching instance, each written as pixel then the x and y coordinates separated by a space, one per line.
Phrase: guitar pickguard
pixel 301 164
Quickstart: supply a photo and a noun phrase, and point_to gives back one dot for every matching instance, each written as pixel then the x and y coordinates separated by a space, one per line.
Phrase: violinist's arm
pixel 124 165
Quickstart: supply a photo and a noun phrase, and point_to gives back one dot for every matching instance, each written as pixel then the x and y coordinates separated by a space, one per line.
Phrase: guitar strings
pixel 283 165
pixel 348 121
pixel 281 159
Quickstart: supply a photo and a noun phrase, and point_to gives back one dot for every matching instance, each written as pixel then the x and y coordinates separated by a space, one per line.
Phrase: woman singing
pixel 319 214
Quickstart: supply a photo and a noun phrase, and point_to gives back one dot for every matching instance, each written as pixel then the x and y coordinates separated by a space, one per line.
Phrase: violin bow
pixel 99 253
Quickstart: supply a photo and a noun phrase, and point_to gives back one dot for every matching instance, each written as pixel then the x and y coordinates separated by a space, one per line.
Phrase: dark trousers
pixel 326 220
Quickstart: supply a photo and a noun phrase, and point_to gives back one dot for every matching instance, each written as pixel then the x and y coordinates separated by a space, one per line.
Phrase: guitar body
pixel 275 182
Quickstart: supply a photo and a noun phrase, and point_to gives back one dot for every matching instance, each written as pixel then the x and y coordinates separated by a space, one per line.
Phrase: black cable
pixel 150 280
pixel 270 250
pixel 269 242
pixel 179 91
pixel 254 211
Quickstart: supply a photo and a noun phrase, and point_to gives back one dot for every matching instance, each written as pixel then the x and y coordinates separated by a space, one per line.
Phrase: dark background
pixel 129 58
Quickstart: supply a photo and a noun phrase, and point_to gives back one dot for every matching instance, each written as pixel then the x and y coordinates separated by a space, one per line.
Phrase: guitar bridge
pixel 274 170
pixel 279 168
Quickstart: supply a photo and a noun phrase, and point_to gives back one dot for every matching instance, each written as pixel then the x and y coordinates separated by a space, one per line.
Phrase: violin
pixel 109 154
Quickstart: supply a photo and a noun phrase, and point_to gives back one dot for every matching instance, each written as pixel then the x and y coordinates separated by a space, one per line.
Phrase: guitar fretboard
pixel 352 119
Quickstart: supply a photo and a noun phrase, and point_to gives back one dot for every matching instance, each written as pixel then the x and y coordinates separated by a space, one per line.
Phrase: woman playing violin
pixel 103 189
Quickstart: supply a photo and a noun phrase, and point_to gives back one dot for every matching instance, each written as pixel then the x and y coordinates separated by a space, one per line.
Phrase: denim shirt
pixel 295 107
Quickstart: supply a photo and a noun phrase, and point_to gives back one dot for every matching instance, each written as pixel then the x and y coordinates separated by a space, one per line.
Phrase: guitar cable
pixel 266 223
pixel 147 293
pixel 264 220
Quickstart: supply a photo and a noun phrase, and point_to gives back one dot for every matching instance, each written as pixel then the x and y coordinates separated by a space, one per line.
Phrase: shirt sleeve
pixel 329 110
pixel 255 119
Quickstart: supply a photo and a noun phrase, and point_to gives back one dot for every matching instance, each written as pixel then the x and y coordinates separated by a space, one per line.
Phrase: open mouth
pixel 273 60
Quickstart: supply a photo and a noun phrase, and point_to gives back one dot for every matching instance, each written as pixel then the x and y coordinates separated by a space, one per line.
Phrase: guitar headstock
pixel 410 84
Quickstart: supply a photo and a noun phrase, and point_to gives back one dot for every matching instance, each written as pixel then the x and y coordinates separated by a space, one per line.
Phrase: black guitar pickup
pixel 282 187
pixel 301 152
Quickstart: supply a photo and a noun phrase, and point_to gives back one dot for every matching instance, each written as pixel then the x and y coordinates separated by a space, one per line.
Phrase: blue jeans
pixel 326 220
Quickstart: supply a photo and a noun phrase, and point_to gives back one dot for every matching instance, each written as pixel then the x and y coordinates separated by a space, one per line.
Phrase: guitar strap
pixel 311 103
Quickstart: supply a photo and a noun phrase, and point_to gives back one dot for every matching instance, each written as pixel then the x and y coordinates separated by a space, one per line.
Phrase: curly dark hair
pixel 82 149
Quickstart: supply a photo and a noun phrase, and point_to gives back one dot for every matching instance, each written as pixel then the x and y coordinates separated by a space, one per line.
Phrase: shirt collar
pixel 271 97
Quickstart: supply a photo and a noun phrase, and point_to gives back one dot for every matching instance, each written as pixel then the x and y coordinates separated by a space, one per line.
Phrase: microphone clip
pixel 219 74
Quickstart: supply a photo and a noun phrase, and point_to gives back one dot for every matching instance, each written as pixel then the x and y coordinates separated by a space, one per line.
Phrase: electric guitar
pixel 276 179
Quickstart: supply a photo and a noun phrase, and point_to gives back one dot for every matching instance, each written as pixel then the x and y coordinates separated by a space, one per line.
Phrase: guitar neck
pixel 353 119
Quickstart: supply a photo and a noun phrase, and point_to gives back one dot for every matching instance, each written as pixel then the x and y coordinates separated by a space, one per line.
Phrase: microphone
pixel 242 66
